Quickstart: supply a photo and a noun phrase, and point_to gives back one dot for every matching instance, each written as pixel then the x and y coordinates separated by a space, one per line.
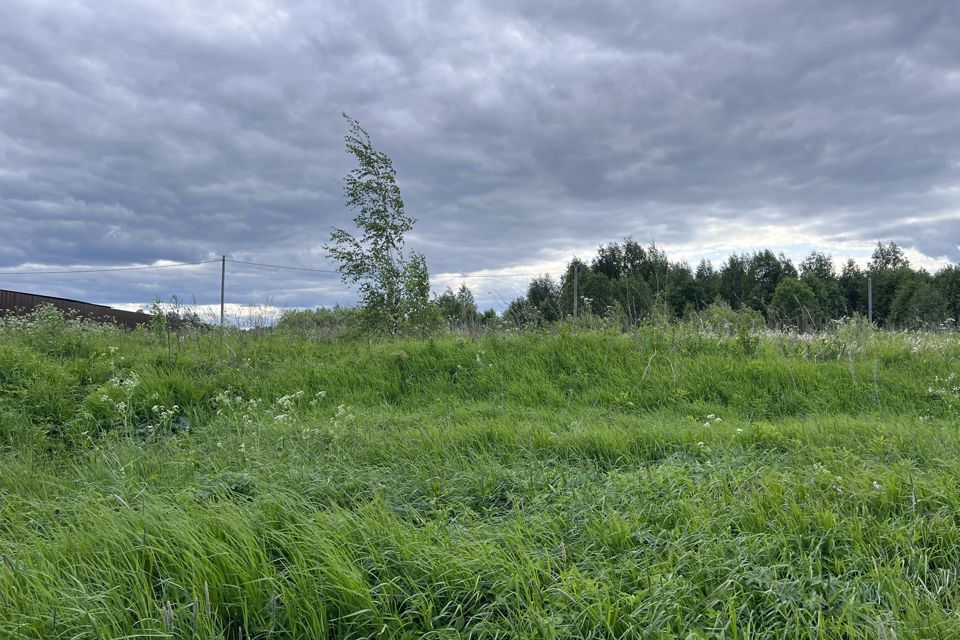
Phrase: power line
pixel 491 275
pixel 279 266
pixel 246 262
pixel 65 271
pixel 450 275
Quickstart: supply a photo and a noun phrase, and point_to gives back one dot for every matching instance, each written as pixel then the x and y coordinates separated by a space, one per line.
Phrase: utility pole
pixel 576 271
pixel 870 298
pixel 223 279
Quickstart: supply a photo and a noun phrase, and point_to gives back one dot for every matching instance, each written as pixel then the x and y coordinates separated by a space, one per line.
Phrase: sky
pixel 523 133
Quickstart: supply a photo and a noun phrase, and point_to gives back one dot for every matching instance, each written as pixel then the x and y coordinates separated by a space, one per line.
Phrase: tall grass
pixel 662 483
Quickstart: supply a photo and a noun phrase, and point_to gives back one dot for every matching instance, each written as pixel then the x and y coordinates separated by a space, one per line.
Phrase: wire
pixel 448 275
pixel 156 266
pixel 490 275
pixel 280 266
pixel 253 264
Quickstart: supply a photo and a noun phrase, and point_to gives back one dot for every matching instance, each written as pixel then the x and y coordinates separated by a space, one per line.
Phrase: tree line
pixel 624 282
pixel 630 282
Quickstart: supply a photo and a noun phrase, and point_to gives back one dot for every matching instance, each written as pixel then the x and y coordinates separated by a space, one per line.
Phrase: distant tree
pixel 818 264
pixel 609 261
pixel 415 312
pixel 794 303
pixel 655 268
pixel 520 314
pixel 947 282
pixel 853 284
pixel 458 309
pixel 708 284
pixel 594 292
pixel 818 274
pixel 831 303
pixel 765 272
pixel 890 270
pixel 468 306
pixel 393 285
pixel 887 257
pixel 681 294
pixel 917 305
pixel 734 281
pixel 633 297
pixel 543 294
pixel 634 259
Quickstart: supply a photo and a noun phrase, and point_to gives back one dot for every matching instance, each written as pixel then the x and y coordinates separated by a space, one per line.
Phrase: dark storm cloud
pixel 521 132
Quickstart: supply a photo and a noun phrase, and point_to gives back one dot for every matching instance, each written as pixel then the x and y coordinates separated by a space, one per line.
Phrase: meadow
pixel 668 482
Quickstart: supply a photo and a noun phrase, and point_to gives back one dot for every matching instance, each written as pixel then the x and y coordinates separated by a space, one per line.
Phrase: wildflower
pixel 876 485
pixel 718 419
pixel 711 417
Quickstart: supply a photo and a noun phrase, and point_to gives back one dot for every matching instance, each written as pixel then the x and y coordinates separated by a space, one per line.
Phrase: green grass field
pixel 568 484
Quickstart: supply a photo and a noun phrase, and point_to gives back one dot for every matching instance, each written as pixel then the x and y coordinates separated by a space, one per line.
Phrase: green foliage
pixel 158 318
pixel 917 306
pixel 458 310
pixel 681 293
pixel 735 287
pixel 947 281
pixel 322 323
pixel 765 272
pixel 668 481
pixel 521 314
pixel 722 320
pixel 794 304
pixel 394 286
pixel 543 294
pixel 853 283
pixel 887 258
pixel 636 285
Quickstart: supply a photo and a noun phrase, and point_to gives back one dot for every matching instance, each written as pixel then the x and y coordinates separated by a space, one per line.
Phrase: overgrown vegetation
pixel 699 480
pixel 632 284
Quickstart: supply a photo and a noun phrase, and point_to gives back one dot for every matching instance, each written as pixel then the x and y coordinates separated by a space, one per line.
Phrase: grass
pixel 663 483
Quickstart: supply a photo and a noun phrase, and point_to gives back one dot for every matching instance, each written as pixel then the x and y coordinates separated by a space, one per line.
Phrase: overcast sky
pixel 522 133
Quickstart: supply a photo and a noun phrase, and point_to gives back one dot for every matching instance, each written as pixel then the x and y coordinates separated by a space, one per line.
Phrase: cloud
pixel 522 133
